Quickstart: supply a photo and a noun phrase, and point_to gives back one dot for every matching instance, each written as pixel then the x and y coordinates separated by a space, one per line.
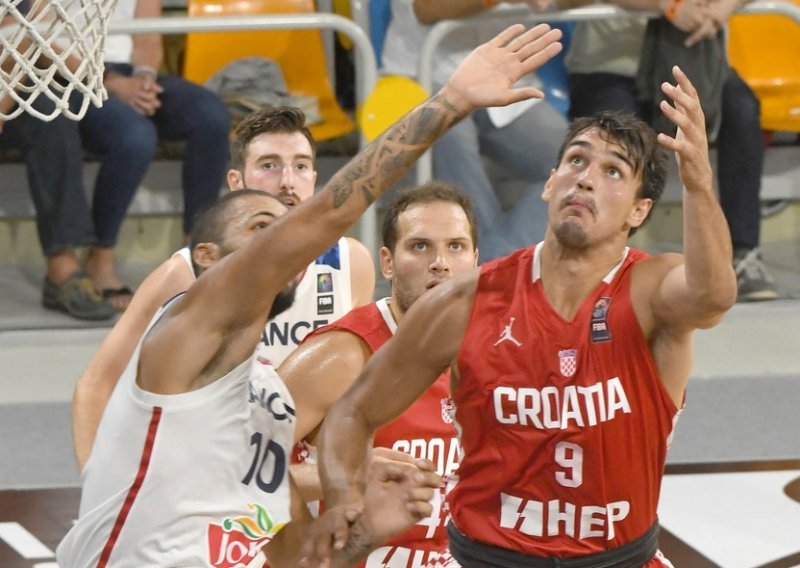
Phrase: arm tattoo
pixel 383 162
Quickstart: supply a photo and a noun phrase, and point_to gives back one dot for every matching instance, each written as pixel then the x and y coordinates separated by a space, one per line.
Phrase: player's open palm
pixel 486 77
pixel 398 495
pixel 690 143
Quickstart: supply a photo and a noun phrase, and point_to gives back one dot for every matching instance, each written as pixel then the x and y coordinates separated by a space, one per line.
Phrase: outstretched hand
pixel 690 143
pixel 486 77
pixel 398 494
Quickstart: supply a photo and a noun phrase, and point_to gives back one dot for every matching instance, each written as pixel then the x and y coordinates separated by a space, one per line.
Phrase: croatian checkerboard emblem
pixel 448 409
pixel 568 361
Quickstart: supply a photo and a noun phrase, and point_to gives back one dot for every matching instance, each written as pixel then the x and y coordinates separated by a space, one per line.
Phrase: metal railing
pixel 366 69
pixel 516 14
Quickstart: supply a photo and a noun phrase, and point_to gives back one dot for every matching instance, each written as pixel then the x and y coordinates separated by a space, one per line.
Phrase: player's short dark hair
pixel 267 120
pixel 210 222
pixel 427 193
pixel 639 141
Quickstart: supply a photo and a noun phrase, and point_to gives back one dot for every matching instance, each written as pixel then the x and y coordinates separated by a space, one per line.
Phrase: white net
pixel 52 49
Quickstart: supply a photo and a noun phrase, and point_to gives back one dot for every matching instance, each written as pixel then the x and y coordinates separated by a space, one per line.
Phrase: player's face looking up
pixel 434 243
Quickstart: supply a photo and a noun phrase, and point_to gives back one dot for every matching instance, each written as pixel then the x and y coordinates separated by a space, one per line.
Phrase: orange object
pixel 672 9
pixel 765 50
pixel 299 53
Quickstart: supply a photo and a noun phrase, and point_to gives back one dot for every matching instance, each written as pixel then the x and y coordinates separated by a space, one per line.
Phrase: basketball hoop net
pixel 52 48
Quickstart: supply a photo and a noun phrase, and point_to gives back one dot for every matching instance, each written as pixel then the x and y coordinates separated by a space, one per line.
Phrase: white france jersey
pixel 196 479
pixel 324 294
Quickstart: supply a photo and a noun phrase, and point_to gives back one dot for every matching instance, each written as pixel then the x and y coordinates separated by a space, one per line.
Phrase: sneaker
pixel 78 297
pixel 754 282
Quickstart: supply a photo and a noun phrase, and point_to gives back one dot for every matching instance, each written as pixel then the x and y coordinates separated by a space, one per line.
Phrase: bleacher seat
pixel 300 54
pixel 765 50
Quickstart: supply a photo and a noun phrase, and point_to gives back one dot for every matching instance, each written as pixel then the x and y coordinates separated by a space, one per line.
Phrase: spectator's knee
pixel 137 141
pixel 741 101
pixel 212 118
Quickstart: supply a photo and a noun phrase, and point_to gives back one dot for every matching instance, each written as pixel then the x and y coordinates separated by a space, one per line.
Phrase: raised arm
pixel 424 346
pixel 228 305
pixel 696 293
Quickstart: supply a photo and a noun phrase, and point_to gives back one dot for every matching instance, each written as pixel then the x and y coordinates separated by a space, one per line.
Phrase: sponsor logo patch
pixel 324 305
pixel 237 541
pixel 324 283
pixel 599 331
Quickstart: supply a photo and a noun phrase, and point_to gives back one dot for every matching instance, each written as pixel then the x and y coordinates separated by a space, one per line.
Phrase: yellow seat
pixel 765 51
pixel 299 53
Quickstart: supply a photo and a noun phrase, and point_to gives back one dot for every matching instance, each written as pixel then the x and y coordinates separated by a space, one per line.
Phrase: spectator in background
pixel 52 155
pixel 143 106
pixel 603 60
pixel 53 160
pixel 522 139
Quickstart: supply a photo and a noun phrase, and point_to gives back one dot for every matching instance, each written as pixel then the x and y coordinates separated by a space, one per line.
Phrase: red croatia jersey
pixel 564 424
pixel 424 430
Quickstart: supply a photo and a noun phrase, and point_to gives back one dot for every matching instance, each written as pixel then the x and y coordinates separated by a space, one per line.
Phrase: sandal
pixel 118 297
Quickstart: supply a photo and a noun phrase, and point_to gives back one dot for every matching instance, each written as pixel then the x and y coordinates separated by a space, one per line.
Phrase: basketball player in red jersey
pixel 429 236
pixel 569 360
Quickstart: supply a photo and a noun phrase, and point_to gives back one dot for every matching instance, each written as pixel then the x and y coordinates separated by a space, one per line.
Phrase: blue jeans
pixel 740 146
pixel 527 148
pixel 127 141
pixel 54 163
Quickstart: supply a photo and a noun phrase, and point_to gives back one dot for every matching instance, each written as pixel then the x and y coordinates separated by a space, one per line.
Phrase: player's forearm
pixel 88 403
pixel 284 550
pixel 332 211
pixel 707 250
pixel 387 159
pixel 306 476
pixel 344 444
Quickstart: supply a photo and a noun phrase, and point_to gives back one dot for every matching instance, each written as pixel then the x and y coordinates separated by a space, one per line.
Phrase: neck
pixel 569 275
pixel 394 307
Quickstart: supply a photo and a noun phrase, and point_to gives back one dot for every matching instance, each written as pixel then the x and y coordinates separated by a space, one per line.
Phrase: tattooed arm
pixel 224 312
pixel 485 78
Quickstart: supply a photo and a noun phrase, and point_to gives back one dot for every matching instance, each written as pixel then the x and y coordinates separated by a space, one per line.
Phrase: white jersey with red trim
pixel 193 479
pixel 323 295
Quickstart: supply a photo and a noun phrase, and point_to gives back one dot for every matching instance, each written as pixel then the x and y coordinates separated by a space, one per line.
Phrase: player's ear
pixel 205 255
pixel 639 212
pixel 235 179
pixel 387 263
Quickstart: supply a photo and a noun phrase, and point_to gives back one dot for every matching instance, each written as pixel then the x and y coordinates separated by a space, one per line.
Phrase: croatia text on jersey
pixel 557 408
